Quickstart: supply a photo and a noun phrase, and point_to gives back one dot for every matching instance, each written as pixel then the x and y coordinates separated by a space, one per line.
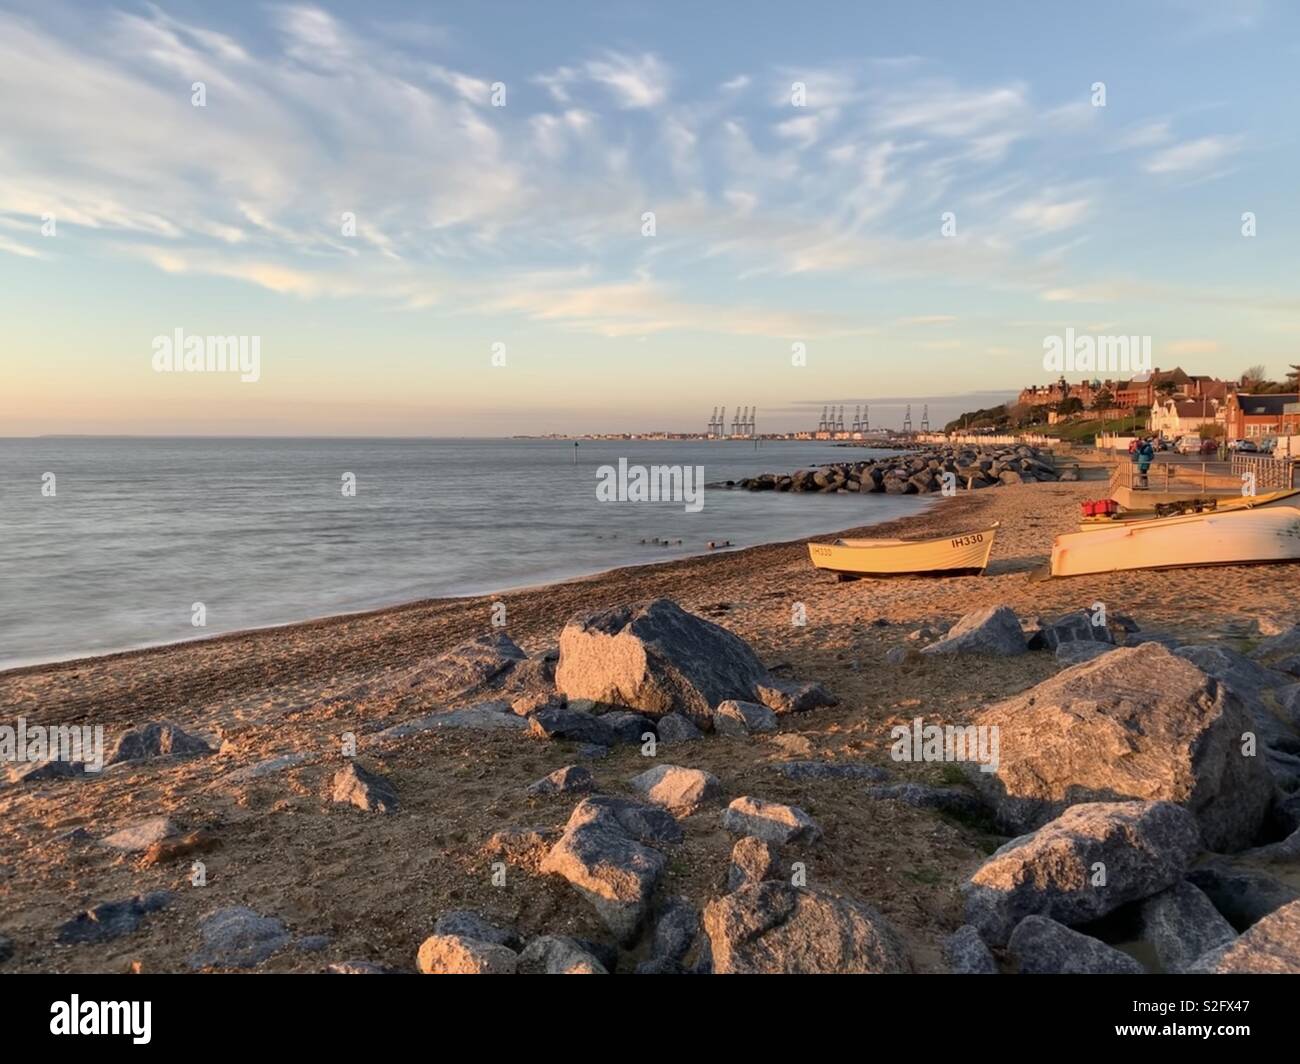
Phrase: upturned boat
pixel 1289 497
pixel 965 553
pixel 1241 536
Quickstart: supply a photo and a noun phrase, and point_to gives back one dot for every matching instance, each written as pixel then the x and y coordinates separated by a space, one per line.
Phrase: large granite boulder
pixel 472 666
pixel 658 659
pixel 1271 947
pixel 1182 924
pixel 992 630
pixel 1081 866
pixel 157 739
pixel 1040 946
pixel 774 928
pixel 603 853
pixel 1140 723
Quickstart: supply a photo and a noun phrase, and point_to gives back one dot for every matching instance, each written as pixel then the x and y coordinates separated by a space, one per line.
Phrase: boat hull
pixel 1248 502
pixel 1217 537
pixel 967 553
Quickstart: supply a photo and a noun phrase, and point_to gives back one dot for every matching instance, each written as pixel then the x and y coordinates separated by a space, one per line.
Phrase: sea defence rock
pixel 676 928
pixel 682 790
pixel 1040 946
pixel 1138 722
pixel 1271 947
pixel 770 821
pixel 1070 628
pixel 558 955
pixel 658 659
pixel 967 954
pixel 238 937
pixel 605 855
pixel 1086 863
pixel 471 666
pixel 466 923
pixel 455 955
pixel 992 630
pixel 1243 895
pixel 752 861
pixel 572 779
pixel 157 739
pixel 112 919
pixel 774 928
pixel 677 728
pixel 1182 924
pixel 368 791
pixel 734 717
pixel 139 836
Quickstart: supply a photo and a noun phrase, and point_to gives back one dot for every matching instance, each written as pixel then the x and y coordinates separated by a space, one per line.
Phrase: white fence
pixel 1033 440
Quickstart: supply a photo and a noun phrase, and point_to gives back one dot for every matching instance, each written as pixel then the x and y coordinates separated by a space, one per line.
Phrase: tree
pixel 1069 406
pixel 1253 378
pixel 1167 388
pixel 1293 378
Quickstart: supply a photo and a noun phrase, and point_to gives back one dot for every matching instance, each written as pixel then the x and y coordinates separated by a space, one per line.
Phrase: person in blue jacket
pixel 1145 454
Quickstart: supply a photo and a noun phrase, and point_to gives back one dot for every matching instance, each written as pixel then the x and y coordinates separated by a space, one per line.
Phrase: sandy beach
pixel 374 886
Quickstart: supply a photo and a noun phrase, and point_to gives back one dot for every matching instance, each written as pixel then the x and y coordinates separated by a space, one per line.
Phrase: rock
pixel 469 667
pixel 6 949
pixel 1143 847
pixel 1074 653
pixel 572 779
pixel 41 771
pixel 367 790
pixel 238 937
pixel 791 696
pixel 1283 852
pixel 770 821
pixel 157 739
pixel 603 855
pixel 1182 924
pixel 829 770
pixel 656 658
pixel 752 861
pixel 1076 627
pixel 556 955
pixel 312 943
pixel 1040 946
pixel 1137 723
pixel 1283 645
pixel 955 800
pixel 358 968
pixel 465 923
pixel 628 727
pixel 1271 947
pixel 141 835
pixel 676 728
pixel 896 656
pixel 1243 895
pixel 555 723
pixel 526 846
pixel 733 717
pixel 682 790
pixel 774 928
pixel 455 955
pixel 675 933
pixel 1258 688
pixel 112 919
pixel 992 630
pixel 966 953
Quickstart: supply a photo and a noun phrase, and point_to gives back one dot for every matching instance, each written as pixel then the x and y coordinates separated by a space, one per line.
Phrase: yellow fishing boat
pixel 1241 536
pixel 964 553
pixel 1244 502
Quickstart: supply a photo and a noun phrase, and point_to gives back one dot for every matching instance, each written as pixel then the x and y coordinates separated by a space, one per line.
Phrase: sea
pixel 114 543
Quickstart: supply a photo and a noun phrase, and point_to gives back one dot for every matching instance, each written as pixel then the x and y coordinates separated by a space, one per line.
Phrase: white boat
pixel 1226 537
pixel 967 552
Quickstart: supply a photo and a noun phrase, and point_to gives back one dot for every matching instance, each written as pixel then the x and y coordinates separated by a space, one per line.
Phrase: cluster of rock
pixel 919 472
pixel 1139 783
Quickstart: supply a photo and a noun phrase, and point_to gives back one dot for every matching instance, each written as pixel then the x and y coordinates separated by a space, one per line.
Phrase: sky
pixel 616 216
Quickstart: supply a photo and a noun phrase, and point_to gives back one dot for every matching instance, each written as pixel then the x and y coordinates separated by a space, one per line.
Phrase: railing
pixel 1268 474
pixel 1176 477
pixel 1033 440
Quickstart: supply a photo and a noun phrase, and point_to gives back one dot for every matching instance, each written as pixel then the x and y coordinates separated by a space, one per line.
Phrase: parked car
pixel 1245 446
pixel 1188 445
pixel 1268 445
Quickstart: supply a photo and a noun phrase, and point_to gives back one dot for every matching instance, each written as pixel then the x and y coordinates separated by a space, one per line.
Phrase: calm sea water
pixel 259 531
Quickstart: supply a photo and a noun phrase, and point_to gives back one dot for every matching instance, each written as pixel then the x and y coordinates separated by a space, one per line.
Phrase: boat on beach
pixel 963 554
pixel 1289 497
pixel 1241 536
